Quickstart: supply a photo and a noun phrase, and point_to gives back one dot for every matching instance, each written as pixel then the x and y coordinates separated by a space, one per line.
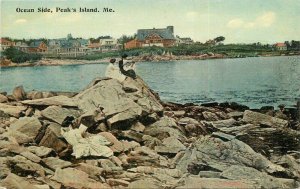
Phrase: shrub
pixel 18 56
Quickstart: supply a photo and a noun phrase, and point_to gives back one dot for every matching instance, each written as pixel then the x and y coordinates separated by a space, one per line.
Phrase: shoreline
pixel 141 58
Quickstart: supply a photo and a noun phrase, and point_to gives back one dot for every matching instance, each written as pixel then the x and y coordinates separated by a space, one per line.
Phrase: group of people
pixel 120 69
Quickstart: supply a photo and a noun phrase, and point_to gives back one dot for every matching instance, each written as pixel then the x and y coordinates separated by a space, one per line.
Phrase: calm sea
pixel 254 82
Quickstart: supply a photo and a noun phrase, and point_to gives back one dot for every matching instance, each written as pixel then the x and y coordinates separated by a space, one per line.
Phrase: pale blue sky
pixel 266 21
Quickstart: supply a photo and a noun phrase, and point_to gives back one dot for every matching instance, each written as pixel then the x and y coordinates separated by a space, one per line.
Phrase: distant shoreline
pixel 142 58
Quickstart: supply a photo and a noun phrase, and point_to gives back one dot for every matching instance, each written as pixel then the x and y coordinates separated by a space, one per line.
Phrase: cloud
pixel 264 20
pixel 21 21
pixel 192 15
pixel 235 23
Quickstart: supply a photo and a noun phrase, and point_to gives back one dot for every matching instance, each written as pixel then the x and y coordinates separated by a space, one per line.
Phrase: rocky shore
pixel 121 135
pixel 141 58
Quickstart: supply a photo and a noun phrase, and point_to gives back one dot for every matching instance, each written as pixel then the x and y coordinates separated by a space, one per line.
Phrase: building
pixel 281 46
pixel 108 44
pixel 67 47
pixel 37 47
pixel 22 46
pixel 103 45
pixel 5 44
pixel 184 40
pixel 163 37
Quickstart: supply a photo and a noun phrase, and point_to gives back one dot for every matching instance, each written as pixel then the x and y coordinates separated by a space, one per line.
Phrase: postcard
pixel 149 94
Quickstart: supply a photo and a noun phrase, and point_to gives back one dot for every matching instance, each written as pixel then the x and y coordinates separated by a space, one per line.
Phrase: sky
pixel 239 21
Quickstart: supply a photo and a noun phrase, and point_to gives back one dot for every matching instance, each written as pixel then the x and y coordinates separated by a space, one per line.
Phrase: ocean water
pixel 255 82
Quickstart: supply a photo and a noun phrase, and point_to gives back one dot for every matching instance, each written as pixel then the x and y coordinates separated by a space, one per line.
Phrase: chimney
pixel 171 29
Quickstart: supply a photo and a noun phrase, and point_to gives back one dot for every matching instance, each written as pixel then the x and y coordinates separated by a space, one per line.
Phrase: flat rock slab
pixel 77 179
pixel 55 163
pixel 259 118
pixel 52 101
pixel 58 114
pixel 14 111
pixel 16 182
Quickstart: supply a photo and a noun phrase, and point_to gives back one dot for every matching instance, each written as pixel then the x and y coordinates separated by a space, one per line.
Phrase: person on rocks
pixel 126 67
pixel 113 71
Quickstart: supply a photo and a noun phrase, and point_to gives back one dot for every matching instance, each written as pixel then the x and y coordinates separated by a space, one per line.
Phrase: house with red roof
pixel 163 37
pixel 281 46
pixel 5 44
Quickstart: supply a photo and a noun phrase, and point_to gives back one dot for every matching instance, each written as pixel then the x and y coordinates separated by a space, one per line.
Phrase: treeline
pixel 18 56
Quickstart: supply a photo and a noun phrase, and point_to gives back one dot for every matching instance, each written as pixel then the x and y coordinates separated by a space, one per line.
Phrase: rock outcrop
pixel 121 135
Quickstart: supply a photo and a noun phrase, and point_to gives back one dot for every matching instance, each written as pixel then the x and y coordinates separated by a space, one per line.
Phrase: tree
pixel 18 56
pixel 124 39
pixel 219 39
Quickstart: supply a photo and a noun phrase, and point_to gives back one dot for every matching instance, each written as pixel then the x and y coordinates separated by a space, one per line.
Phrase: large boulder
pixel 120 102
pixel 219 152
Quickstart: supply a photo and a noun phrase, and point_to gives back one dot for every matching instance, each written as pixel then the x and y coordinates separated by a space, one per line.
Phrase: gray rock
pixel 28 126
pixel 32 95
pixel 93 171
pixel 116 146
pixel 164 128
pixel 3 98
pixel 117 104
pixel 170 145
pixel 62 101
pixel 138 127
pixel 210 116
pixel 54 163
pixel 223 123
pixel 23 166
pixel 235 115
pixel 76 179
pixel 58 114
pixel 187 120
pixel 218 154
pixel 212 183
pixel 40 151
pixel 19 93
pixel 236 172
pixel 4 167
pixel 145 183
pixel 109 95
pixel 133 135
pixel 52 138
pixel 14 111
pixel 291 165
pixel 16 182
pixel 258 118
pixel 209 174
